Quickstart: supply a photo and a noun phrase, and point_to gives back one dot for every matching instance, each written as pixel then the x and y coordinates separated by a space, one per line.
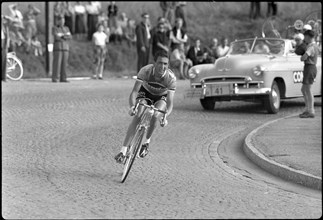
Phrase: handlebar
pixel 152 107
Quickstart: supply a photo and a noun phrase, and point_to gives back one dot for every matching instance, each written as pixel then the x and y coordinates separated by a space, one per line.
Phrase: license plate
pixel 217 90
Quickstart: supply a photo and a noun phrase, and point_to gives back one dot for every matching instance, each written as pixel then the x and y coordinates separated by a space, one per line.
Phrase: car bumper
pixel 226 90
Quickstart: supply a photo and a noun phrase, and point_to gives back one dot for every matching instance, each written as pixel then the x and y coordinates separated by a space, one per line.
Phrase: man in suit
pixel 143 41
pixel 62 35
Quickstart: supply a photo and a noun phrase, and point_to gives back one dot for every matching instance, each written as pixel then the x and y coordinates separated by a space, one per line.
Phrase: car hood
pixel 232 65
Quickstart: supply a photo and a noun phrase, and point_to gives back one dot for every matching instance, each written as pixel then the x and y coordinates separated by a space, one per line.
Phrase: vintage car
pixel 263 69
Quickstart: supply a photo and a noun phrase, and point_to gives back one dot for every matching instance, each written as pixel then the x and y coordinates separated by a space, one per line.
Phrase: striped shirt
pixel 154 85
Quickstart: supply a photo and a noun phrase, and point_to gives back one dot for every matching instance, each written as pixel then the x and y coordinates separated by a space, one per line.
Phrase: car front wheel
pixel 272 101
pixel 208 103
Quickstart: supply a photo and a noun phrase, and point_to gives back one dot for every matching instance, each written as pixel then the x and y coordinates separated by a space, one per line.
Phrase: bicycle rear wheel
pixel 14 68
pixel 131 155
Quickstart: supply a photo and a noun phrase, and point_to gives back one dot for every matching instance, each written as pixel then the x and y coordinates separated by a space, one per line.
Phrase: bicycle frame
pixel 139 134
pixel 148 113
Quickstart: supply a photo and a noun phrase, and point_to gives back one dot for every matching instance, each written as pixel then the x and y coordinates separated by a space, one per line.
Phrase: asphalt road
pixel 59 140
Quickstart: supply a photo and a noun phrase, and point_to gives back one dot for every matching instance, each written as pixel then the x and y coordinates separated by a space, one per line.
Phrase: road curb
pixel 275 168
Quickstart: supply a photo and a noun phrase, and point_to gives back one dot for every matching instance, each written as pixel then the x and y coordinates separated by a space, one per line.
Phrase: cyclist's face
pixel 161 65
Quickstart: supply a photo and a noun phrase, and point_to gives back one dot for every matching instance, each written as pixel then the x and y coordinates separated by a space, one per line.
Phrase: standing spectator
pixel 117 32
pixel 164 7
pixel 6 21
pixel 31 26
pixel 179 13
pixel 154 29
pixel 179 63
pixel 255 11
pixel 310 71
pixel 102 17
pixel 106 29
pixel 178 34
pixel 168 10
pixel 59 11
pixel 130 32
pixel 123 22
pixel 16 15
pixel 100 39
pixel 160 40
pixel 80 16
pixel 93 10
pixel 62 35
pixel 271 9
pixel 112 14
pixel 223 48
pixel 69 16
pixel 4 48
pixel 143 41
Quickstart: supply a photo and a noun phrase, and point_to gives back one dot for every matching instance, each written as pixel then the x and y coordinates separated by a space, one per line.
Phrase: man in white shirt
pixel 223 49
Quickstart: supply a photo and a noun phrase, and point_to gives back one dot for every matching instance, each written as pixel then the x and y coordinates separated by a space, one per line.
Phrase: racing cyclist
pixel 158 83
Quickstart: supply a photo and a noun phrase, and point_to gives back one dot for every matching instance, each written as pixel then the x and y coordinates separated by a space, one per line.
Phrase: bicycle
pixel 14 69
pixel 141 130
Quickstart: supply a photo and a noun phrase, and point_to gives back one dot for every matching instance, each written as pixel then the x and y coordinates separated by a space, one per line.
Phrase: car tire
pixel 208 103
pixel 272 101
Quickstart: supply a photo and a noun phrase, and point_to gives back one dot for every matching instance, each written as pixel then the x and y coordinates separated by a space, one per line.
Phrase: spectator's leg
pixel 274 5
pixel 146 61
pixel 64 65
pixel 56 65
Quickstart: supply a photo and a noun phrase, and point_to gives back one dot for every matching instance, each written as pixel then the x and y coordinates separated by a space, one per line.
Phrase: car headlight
pixel 193 72
pixel 258 70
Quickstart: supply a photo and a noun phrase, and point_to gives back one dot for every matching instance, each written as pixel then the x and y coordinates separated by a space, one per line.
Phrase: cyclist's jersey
pixel 156 86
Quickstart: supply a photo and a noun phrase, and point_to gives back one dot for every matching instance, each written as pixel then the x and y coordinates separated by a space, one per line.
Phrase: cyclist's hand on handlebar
pixel 132 111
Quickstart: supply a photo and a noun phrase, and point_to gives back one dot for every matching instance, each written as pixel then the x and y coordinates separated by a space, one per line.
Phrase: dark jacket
pixel 142 38
pixel 61 43
pixel 161 37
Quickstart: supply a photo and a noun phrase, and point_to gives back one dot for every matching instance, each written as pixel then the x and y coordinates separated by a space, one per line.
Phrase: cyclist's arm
pixel 170 98
pixel 134 92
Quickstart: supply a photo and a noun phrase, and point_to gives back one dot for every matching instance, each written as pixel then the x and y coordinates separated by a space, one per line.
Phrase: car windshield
pixel 261 46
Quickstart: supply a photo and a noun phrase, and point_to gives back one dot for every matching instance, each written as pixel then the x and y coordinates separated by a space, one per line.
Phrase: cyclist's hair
pixel 161 53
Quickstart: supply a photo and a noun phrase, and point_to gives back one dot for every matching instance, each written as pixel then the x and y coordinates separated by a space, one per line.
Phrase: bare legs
pixel 308 98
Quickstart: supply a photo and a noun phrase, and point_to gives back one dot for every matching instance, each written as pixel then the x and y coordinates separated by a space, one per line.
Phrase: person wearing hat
pixel 307 27
pixel 300 46
pixel 62 35
pixel 309 73
pixel 143 41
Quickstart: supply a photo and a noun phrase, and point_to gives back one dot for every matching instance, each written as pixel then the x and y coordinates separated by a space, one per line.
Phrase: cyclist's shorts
pixel 143 93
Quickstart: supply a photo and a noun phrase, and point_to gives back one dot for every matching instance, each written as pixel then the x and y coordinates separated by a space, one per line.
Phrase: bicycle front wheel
pixel 131 155
pixel 14 68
